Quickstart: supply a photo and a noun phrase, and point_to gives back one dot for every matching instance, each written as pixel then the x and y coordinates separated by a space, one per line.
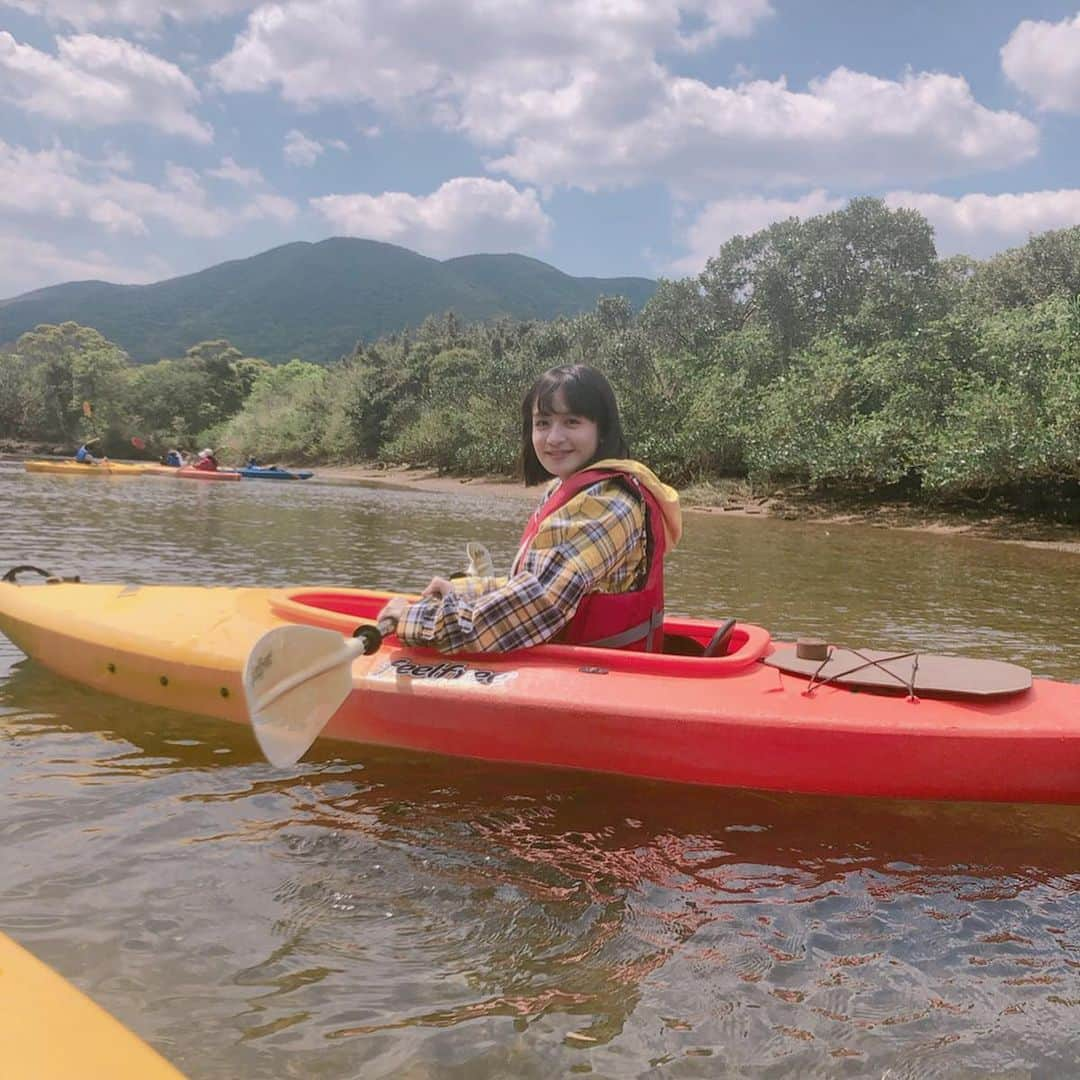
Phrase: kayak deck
pixel 727 721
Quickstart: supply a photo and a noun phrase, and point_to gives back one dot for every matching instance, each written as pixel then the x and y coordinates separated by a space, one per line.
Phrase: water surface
pixel 383 914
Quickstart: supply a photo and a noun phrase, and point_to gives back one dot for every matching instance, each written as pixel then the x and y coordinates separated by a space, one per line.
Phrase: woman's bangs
pixel 579 399
pixel 544 399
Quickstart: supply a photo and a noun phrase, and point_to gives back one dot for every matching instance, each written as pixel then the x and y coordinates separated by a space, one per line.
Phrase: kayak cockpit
pixel 344 609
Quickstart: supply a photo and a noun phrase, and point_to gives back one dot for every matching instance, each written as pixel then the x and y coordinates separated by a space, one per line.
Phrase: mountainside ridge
pixel 312 300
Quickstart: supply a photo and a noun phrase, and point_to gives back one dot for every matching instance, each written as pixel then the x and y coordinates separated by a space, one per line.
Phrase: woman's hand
pixel 438 586
pixel 391 613
pixel 394 609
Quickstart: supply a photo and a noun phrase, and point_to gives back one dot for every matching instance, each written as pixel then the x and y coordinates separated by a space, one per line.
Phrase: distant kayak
pixel 266 472
pixel 71 467
pixel 187 473
pixel 51 1031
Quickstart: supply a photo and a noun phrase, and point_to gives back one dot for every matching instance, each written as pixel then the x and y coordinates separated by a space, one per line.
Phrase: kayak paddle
pixel 295 679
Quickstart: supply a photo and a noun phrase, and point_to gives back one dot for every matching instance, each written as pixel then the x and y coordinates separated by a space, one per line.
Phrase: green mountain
pixel 312 301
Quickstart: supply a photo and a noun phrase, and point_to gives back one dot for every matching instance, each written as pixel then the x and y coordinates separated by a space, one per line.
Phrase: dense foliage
pixel 838 352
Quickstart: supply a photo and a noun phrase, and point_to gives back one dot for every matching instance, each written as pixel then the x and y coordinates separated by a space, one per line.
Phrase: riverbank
pixel 732 498
pixel 737 499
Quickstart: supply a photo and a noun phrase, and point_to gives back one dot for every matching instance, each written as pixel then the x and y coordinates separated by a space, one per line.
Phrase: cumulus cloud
pixel 97 81
pixel 140 13
pixel 236 174
pixel 34 264
pixel 464 215
pixel 719 221
pixel 975 224
pixel 300 150
pixel 386 52
pixel 980 225
pixel 573 93
pixel 60 184
pixel 268 207
pixel 1043 60
pixel 848 128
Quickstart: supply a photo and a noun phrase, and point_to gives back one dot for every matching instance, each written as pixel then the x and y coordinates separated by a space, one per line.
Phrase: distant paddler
pixel 84 456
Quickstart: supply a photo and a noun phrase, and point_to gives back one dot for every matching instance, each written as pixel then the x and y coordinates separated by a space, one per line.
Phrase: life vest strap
pixel 644 629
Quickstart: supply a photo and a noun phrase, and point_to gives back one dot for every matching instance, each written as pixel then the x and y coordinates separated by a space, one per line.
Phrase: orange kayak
pixel 734 720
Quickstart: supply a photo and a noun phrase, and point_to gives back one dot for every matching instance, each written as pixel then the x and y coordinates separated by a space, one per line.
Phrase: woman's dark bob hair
pixel 586 393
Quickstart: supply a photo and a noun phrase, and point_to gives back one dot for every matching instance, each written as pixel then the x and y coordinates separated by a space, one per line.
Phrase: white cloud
pixel 141 13
pixel 1043 60
pixel 96 81
pixel 236 174
pixel 269 207
pixel 60 184
pixel 304 151
pixel 573 93
pixel 722 18
pixel 848 129
pixel 33 264
pixel 719 221
pixel 974 224
pixel 386 52
pixel 980 225
pixel 465 215
pixel 300 150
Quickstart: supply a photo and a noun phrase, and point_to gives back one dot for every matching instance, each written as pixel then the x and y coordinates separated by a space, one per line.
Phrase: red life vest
pixel 630 620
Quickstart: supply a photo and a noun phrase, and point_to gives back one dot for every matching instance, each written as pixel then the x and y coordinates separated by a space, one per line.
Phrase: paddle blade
pixel 138 443
pixel 295 679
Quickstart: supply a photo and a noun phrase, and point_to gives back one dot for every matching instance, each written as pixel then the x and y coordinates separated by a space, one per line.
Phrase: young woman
pixel 590 566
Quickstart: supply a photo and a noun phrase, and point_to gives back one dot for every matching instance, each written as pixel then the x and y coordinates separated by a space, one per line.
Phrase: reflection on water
pixel 401 915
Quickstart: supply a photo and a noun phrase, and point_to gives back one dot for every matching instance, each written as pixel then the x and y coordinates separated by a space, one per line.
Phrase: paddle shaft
pixel 351 648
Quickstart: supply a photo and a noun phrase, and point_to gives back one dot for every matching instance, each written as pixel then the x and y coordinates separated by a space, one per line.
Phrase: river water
pixel 372 913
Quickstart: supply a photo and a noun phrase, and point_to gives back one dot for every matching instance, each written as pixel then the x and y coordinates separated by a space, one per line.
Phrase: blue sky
pixel 140 140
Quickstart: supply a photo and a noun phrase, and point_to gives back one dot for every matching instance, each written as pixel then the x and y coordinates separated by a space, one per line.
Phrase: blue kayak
pixel 260 472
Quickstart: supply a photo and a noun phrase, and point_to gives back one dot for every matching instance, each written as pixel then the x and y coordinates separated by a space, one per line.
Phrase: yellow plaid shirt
pixel 595 543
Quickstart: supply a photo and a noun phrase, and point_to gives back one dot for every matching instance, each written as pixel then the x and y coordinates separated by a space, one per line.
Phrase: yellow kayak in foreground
pixel 70 467
pixel 51 1031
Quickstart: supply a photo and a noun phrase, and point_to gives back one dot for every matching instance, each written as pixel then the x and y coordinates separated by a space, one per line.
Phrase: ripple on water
pixel 398 915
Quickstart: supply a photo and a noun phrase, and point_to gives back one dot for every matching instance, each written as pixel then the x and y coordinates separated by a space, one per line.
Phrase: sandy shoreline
pixel 1038 534
pixel 731 499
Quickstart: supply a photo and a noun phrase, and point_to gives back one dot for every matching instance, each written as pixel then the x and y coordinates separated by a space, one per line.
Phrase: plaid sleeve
pixel 595 543
pixel 471 587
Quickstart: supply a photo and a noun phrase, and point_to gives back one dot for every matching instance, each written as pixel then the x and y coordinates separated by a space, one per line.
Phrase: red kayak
pixel 189 473
pixel 756 714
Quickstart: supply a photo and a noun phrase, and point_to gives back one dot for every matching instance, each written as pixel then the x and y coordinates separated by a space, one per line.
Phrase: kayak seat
pixel 718 643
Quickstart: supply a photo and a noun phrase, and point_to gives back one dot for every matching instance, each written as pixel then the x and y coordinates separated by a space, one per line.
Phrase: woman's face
pixel 564 441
